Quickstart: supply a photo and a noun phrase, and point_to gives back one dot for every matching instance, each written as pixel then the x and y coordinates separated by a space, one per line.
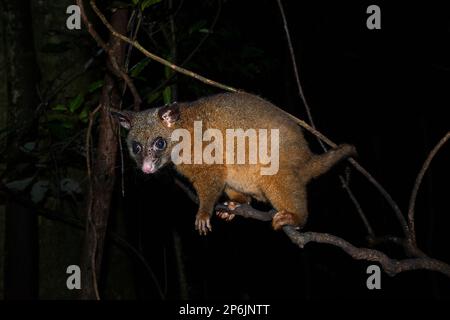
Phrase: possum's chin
pixel 149 170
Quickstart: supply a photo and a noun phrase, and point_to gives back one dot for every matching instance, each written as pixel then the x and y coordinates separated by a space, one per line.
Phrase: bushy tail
pixel 319 164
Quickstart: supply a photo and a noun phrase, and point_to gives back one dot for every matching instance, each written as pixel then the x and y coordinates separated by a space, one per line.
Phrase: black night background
pixel 384 91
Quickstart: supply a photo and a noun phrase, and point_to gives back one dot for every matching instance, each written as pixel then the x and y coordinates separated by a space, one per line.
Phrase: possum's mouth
pixel 149 167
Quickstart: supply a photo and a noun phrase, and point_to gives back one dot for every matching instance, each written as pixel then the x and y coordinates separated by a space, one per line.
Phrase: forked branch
pixel 390 266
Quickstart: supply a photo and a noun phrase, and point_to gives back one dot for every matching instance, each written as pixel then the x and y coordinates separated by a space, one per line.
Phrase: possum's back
pixel 247 111
pixel 244 110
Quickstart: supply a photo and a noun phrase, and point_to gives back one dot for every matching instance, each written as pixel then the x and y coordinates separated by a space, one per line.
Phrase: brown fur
pixel 286 190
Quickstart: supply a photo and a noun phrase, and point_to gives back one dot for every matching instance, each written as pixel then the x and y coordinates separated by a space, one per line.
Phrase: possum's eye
pixel 159 143
pixel 136 146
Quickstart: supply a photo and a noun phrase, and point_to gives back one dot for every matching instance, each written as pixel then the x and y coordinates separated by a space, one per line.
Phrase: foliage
pixel 51 167
pixel 58 151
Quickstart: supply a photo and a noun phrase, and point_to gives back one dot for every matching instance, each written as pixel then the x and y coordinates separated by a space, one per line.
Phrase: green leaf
pixel 19 185
pixel 39 190
pixel 68 125
pixel 96 85
pixel 59 117
pixel 153 97
pixel 138 67
pixel 167 94
pixel 62 120
pixel 59 107
pixel 29 146
pixel 76 103
pixel 197 26
pixel 70 186
pixel 148 3
pixel 84 114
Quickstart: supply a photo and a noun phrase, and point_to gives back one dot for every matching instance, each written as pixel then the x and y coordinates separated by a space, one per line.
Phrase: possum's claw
pixel 203 224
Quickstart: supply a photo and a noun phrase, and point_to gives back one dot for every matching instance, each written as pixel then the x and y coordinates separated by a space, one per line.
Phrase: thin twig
pixel 127 59
pixel 155 57
pixel 311 121
pixel 88 144
pixel 91 28
pixel 89 211
pixel 192 53
pixel 295 68
pixel 358 207
pixel 417 183
pixel 136 107
pixel 116 69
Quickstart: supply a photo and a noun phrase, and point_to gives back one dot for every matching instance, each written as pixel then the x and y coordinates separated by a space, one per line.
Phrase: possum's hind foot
pixel 284 218
pixel 226 215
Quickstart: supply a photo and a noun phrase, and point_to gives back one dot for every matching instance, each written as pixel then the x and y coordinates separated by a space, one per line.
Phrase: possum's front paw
pixel 202 223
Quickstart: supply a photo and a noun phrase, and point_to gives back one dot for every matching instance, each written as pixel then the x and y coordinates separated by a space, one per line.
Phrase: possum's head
pixel 149 135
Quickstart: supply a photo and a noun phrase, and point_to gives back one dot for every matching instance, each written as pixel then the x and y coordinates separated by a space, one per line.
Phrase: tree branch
pixel 389 265
pixel 412 201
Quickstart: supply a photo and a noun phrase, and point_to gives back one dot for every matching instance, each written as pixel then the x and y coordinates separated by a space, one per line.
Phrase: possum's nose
pixel 148 167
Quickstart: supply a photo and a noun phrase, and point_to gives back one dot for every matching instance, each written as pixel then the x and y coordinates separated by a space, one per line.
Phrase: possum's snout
pixel 150 166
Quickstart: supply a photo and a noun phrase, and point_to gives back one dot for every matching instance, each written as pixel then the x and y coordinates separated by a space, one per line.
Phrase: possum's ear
pixel 169 114
pixel 124 117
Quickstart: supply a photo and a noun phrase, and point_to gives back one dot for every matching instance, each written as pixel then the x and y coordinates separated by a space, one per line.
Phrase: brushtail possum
pixel 155 134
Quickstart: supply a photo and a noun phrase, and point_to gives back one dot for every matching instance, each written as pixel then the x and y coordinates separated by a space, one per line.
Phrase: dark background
pixel 385 91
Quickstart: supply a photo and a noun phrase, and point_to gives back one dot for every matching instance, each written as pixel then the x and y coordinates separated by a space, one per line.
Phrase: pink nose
pixel 148 167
